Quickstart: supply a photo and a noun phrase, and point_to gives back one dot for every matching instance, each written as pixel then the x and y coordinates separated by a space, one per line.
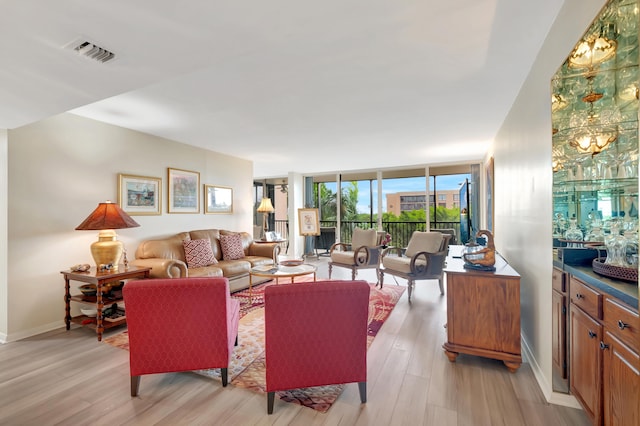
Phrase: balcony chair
pixel 423 259
pixel 180 324
pixel 316 335
pixel 362 253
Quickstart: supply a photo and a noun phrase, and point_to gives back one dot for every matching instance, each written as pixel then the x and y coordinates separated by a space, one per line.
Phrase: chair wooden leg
pixel 270 399
pixel 441 284
pixel 330 269
pixel 224 372
pixel 362 387
pixel 135 385
pixel 409 288
pixel 354 272
pixel 380 277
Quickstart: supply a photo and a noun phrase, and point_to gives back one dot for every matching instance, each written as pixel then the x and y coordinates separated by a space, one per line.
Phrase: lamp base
pixel 107 250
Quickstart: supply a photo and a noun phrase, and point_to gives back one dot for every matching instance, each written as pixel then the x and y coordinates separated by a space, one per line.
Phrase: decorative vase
pixel 573 233
pixel 616 246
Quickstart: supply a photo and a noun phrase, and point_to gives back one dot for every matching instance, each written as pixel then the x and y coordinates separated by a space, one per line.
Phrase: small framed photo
pixel 140 195
pixel 272 236
pixel 218 199
pixel 184 187
pixel 309 222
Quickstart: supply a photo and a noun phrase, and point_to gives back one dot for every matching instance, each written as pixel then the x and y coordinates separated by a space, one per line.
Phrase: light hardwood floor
pixel 69 378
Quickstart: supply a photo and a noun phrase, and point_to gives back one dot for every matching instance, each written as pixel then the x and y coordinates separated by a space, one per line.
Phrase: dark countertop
pixel 623 290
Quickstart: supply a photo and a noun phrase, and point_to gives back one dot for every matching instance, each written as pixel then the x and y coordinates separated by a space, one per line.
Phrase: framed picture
pixel 139 195
pixel 490 194
pixel 272 236
pixel 184 187
pixel 218 199
pixel 309 222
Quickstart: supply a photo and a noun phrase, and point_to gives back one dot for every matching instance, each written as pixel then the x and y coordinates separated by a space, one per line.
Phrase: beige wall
pixel 59 170
pixel 4 298
pixel 523 185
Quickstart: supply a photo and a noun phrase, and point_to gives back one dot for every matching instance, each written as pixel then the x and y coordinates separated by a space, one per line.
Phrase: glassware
pixel 616 246
pixel 573 234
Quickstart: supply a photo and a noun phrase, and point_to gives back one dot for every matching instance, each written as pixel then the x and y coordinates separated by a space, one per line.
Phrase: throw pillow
pixel 231 246
pixel 198 253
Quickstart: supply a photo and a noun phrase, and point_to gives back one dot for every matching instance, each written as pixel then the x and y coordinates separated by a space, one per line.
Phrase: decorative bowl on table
pixel 88 289
pixel 291 262
pixel 90 312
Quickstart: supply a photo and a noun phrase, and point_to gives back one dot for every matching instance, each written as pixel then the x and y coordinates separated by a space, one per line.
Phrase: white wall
pixel 4 162
pixel 523 181
pixel 59 170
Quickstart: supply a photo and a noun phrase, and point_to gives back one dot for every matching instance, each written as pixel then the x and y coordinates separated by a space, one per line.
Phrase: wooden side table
pixel 100 279
pixel 483 312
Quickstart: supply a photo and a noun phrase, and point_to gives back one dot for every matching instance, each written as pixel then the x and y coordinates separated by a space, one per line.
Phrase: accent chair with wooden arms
pixel 316 335
pixel 180 324
pixel 362 253
pixel 423 259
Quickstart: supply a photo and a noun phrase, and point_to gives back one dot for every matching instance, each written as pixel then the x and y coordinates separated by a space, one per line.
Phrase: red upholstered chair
pixel 179 324
pixel 316 335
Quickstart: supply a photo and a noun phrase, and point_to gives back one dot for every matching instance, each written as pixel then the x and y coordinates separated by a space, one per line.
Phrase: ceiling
pixel 294 86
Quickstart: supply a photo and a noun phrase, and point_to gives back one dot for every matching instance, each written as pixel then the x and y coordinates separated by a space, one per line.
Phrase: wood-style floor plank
pixel 69 378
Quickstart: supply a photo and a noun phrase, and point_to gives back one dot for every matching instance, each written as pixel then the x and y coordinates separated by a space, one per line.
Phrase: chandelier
pixel 593 50
pixel 594 131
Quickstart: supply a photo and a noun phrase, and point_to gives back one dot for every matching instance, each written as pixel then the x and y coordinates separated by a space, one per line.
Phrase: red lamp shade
pixel 108 216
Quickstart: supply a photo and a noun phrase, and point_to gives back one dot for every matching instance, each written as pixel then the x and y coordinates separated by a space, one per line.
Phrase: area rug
pixel 247 368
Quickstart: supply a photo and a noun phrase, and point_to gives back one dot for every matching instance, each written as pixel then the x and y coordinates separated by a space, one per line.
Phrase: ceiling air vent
pixel 92 51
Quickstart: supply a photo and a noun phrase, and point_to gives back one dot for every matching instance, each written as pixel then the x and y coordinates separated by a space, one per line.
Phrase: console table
pixel 483 312
pixel 93 276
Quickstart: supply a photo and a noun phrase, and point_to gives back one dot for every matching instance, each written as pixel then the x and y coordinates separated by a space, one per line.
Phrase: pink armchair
pixel 316 335
pixel 180 324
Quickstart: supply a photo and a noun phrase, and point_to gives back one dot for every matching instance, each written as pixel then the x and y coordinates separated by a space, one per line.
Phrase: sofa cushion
pixel 346 257
pixel 198 253
pixel 231 246
pixel 402 264
pixel 167 248
pixel 212 235
pixel 258 260
pixel 206 271
pixel 363 237
pixel 234 268
pixel 424 241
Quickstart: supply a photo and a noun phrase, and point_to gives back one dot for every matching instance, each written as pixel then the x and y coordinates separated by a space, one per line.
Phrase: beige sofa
pixel 166 257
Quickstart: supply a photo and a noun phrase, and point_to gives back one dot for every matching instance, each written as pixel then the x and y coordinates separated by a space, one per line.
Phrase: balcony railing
pixel 400 231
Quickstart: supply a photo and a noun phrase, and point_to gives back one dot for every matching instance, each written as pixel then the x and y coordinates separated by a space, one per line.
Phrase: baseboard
pixel 552 397
pixel 12 337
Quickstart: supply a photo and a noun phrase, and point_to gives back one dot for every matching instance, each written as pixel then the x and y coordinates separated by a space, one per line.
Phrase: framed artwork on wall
pixel 218 199
pixel 140 195
pixel 309 222
pixel 183 188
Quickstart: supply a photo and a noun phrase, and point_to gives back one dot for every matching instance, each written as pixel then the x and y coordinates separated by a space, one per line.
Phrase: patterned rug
pixel 247 368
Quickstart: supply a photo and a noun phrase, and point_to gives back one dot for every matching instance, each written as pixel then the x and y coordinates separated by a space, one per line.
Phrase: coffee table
pixel 276 272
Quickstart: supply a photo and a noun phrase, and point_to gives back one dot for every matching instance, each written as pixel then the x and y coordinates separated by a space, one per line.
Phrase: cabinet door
pixel 559 343
pixel 585 369
pixel 621 383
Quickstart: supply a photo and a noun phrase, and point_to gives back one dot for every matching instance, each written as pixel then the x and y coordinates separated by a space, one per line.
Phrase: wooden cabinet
pixel 604 362
pixel 559 321
pixel 483 312
pixel 586 361
pixel 621 362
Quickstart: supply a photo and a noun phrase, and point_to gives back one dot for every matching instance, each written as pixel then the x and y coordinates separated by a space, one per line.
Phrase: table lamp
pixel 265 208
pixel 105 218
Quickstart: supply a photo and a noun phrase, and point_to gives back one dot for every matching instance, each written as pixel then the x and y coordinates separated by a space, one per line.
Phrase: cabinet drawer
pixel 586 298
pixel 558 280
pixel 622 322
